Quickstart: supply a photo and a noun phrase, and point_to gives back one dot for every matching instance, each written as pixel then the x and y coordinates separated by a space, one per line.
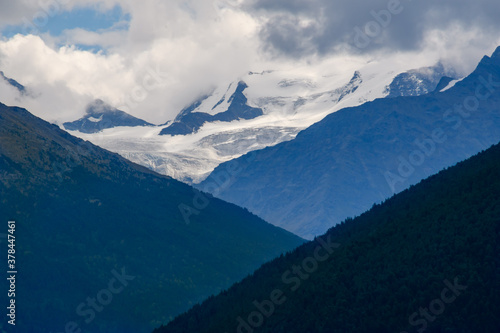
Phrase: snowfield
pixel 291 100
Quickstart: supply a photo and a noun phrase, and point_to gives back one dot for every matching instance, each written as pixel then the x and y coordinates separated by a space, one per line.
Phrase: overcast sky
pixel 71 52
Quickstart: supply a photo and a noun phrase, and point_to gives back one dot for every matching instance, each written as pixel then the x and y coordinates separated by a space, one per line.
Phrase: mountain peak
pixel 419 81
pixel 487 65
pixel 496 54
pixel 190 119
pixel 99 116
pixel 99 107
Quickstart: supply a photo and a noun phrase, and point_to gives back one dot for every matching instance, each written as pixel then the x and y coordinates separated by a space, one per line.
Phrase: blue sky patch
pixel 85 18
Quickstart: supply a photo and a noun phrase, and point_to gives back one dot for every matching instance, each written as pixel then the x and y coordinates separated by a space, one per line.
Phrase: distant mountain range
pixel 426 260
pixel 256 111
pixel 355 157
pixel 105 245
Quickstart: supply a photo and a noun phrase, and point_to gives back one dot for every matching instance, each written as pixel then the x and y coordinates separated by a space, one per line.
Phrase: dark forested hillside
pixel 104 245
pixel 426 260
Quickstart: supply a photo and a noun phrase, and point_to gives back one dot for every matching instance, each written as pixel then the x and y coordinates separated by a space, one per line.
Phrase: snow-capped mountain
pixel 190 120
pixel 100 116
pixel 256 111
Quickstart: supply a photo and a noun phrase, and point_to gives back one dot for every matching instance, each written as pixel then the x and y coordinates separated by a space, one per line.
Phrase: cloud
pixel 61 80
pixel 193 44
pixel 103 39
pixel 303 28
pixel 13 12
pixel 171 52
